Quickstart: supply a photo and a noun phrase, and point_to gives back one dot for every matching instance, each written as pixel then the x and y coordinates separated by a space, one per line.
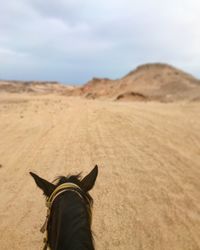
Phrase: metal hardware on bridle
pixel 59 190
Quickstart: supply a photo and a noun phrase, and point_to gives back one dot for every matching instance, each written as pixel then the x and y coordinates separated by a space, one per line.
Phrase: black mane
pixel 76 179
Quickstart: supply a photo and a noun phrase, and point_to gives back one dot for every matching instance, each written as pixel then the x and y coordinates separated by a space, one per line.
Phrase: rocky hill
pixel 160 82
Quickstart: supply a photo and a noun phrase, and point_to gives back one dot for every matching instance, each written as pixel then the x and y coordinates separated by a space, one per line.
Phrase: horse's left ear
pixel 89 180
pixel 47 187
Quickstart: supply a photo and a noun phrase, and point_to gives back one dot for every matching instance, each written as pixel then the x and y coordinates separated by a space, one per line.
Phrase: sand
pixel 147 195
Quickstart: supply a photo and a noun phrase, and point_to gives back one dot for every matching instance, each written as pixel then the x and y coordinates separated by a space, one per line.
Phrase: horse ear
pixel 46 186
pixel 89 180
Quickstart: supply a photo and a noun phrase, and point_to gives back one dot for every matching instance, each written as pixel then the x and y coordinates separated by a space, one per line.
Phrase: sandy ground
pixel 147 194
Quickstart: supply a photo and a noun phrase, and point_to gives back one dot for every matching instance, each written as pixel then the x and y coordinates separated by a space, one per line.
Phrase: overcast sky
pixel 73 40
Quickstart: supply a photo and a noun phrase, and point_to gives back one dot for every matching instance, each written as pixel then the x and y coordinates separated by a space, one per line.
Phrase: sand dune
pixel 147 194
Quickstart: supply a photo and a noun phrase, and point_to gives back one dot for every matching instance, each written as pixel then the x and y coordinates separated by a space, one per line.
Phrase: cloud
pixel 73 40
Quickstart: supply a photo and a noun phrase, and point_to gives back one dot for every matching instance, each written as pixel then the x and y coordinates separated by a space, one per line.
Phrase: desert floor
pixel 147 194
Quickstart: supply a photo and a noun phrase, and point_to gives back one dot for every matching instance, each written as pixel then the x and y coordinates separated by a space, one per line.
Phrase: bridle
pixel 49 202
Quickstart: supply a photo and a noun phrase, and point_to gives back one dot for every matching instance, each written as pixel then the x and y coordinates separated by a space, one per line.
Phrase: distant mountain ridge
pixel 35 87
pixel 148 82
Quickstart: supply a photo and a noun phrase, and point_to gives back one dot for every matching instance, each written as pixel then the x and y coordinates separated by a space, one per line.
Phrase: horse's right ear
pixel 89 180
pixel 46 186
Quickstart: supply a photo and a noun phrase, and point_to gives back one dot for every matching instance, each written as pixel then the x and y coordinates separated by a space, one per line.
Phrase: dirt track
pixel 147 194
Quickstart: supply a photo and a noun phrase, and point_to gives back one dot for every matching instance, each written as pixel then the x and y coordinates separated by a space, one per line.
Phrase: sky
pixel 72 41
